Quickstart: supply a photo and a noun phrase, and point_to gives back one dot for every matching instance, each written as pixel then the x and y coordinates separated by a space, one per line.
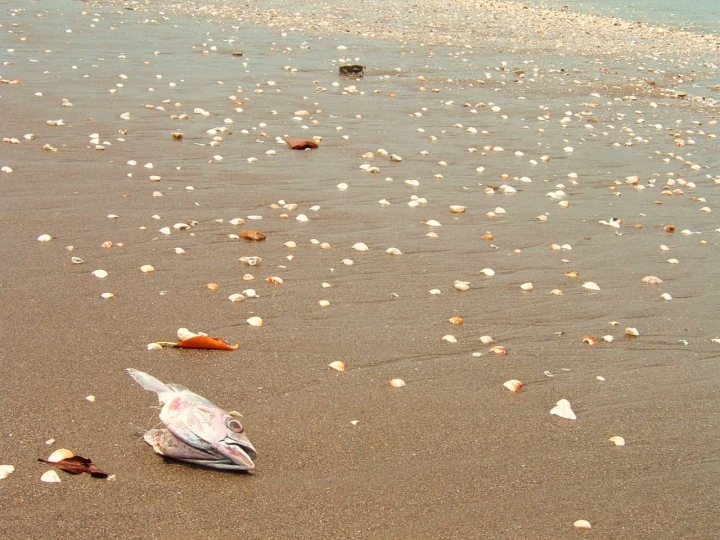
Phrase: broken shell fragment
pixel 582 524
pixel 213 286
pixel 556 292
pixel 5 471
pixel 513 385
pixel 255 321
pixel 51 477
pixel 618 440
pixel 337 365
pixel 107 295
pixel 397 383
pixel 590 340
pixel 563 410
pixel 572 273
pixel 252 261
pixel 632 332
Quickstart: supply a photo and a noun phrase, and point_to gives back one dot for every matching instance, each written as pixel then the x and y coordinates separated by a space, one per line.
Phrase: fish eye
pixel 234 425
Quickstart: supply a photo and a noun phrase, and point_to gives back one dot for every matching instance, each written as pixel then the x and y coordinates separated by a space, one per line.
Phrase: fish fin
pixel 148 382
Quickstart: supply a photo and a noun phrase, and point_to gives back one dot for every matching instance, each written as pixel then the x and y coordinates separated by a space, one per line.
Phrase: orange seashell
pixel 252 234
pixel 213 286
pixel 572 273
pixel 499 350
pixel 456 320
pixel 274 279
pixel 590 340
pixel 300 144
pixel 206 342
pixel 670 228
pixel 488 236
pixel 177 136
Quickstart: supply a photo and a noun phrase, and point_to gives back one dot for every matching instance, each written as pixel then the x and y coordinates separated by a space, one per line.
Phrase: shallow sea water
pixel 453 454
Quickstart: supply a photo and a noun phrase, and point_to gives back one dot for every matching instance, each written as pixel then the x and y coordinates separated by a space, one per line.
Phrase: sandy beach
pixel 572 152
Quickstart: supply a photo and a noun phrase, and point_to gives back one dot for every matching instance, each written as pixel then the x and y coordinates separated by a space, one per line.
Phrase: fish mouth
pixel 242 451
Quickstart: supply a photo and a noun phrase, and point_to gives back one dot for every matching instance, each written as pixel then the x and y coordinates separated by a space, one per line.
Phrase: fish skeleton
pixel 196 430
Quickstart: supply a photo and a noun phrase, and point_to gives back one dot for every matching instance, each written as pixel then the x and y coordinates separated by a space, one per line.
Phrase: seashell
pixel 432 223
pixel 324 303
pixel 181 226
pixel 213 286
pixel 450 338
pixel 456 320
pixel 499 210
pixel 59 455
pixel 50 477
pixel 556 292
pixel 432 234
pixel 302 218
pixel 457 209
pixel 237 221
pixel 91 399
pixel 324 245
pixel 5 471
pixel 146 268
pixel 237 297
pixel 250 293
pixel 254 321
pixel 670 228
pixel 337 365
pixel 360 247
pixel 618 440
pixel 76 260
pixel 179 251
pixel 600 378
pixel 582 524
pixel 154 347
pixel 435 291
pixel 499 350
pixel 608 339
pixel 632 331
pixel 486 340
pixel 590 340
pixel 100 274
pixel 165 230
pixel 177 136
pixel 564 204
pixel 107 295
pixel 527 287
pixel 342 186
pixel 651 280
pixel 184 333
pixel 566 247
pixel 666 296
pixel 44 238
pixel 275 280
pixel 397 383
pixel 290 244
pixel 673 261
pixel 572 273
pixel 489 272
pixel 563 410
pixel 461 285
pixel 107 244
pixel 590 285
pixel 347 262
pixel 513 385
pixel 488 236
pixel 393 251
pixel 252 261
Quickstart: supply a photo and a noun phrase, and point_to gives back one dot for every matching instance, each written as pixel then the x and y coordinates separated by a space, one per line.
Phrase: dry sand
pixel 451 455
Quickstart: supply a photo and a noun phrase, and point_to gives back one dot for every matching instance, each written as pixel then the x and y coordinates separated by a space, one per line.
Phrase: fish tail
pixel 148 382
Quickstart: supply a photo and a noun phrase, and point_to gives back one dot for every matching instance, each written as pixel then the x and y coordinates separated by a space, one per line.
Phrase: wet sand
pixel 451 455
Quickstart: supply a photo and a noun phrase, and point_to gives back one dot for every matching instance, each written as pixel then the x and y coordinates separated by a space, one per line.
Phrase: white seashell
pixel 608 339
pixel 59 455
pixel 508 189
pixel 302 217
pixel 500 210
pixel 663 247
pixel 337 365
pixel 326 285
pixel 179 251
pixel 252 261
pixel 513 385
pixel 457 209
pixel 673 261
pixel 582 524
pixel 686 232
pixel 290 244
pixel 619 441
pixel 44 238
pixel 527 286
pixel 154 347
pixel 237 221
pixel 76 260
pixel 254 218
pixel 632 331
pixel 651 280
pixel 100 274
pixel 397 383
pixel 395 157
pixel 556 292
pixel 250 293
pixel 600 378
pixel 563 410
pixel 360 247
pixel 666 296
pixel 107 295
pixel 6 169
pixel 413 183
pixel 393 251
pixel 5 471
pixel 342 186
pixel 275 279
pixel 450 338
pixel 435 291
pixel 590 285
pixel 165 230
pixel 384 202
pixel 323 303
pixel 347 262
pixel 489 272
pixel 254 321
pixel 181 226
pixel 432 234
pixel 566 247
pixel 237 297
pixel 91 399
pixel 146 268
pixel 462 285
pixel 432 223
pixel 486 340
pixel 184 333
pixel 50 477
